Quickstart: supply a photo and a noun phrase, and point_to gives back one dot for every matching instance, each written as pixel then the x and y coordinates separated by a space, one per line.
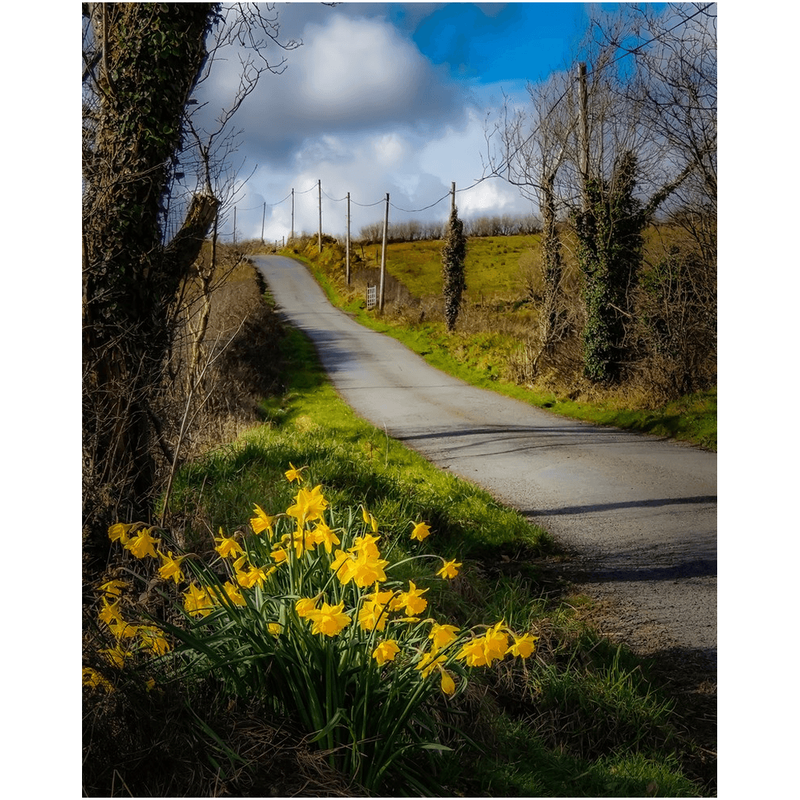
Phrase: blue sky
pixel 388 98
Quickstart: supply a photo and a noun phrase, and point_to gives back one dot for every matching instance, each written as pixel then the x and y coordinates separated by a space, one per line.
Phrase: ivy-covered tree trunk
pixel 553 265
pixel 610 241
pixel 454 253
pixel 145 62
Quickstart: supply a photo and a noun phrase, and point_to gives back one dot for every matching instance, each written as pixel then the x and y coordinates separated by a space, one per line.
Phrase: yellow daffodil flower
pixel 305 606
pixel 369 519
pixel 428 663
pixel 366 544
pixel 412 600
pixel 123 630
pixel 153 639
pixel 261 521
pixel 294 474
pixel 113 588
pixel 233 594
pixel 342 565
pixel 227 546
pixel 93 678
pixel 256 576
pixel 523 646
pixel 329 620
pixel 274 628
pixel 495 643
pixel 442 635
pixel 372 616
pixel 308 506
pixel 367 570
pixel 473 653
pixel 171 567
pixel 421 531
pixel 109 613
pixel 385 651
pixel 118 532
pixel 450 569
pixel 197 601
pixel 447 683
pixel 323 535
pixel 142 544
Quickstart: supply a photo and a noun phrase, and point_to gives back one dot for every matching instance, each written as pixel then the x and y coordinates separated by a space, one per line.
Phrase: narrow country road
pixel 639 513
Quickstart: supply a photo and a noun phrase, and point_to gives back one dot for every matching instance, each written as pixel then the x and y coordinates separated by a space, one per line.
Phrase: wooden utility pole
pixel 263 220
pixel 319 235
pixel 583 129
pixel 452 197
pixel 291 235
pixel 347 247
pixel 234 225
pixel 383 253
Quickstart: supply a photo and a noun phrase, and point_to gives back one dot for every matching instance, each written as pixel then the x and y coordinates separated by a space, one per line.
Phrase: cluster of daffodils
pixel 308 582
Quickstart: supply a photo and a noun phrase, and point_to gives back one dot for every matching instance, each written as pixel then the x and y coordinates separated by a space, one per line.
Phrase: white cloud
pixel 357 67
pixel 360 109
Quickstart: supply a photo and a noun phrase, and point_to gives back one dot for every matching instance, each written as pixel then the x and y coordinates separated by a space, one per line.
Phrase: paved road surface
pixel 639 512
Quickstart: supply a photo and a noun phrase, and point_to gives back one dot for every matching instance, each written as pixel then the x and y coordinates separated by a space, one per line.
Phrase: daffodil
pixel 308 506
pixel 123 630
pixel 421 531
pixel 227 546
pixel 323 535
pixel 261 521
pixel 450 569
pixel 473 653
pixel 442 635
pixel 255 576
pixel 305 606
pixel 274 628
pixel 342 565
pixel 294 474
pixel 366 544
pixel 369 519
pixel 428 663
pixel 372 616
pixel 385 651
pixel 233 594
pixel 329 620
pixel 412 600
pixel 447 683
pixel 143 544
pixel 495 643
pixel 523 646
pixel 109 613
pixel 153 639
pixel 367 570
pixel 118 532
pixel 114 588
pixel 91 677
pixel 197 601
pixel 171 567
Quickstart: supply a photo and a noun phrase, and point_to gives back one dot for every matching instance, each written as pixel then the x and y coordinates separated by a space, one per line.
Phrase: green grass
pixel 583 719
pixel 491 266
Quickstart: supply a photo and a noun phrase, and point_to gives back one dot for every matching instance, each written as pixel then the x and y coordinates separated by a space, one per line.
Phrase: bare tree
pixel 600 146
